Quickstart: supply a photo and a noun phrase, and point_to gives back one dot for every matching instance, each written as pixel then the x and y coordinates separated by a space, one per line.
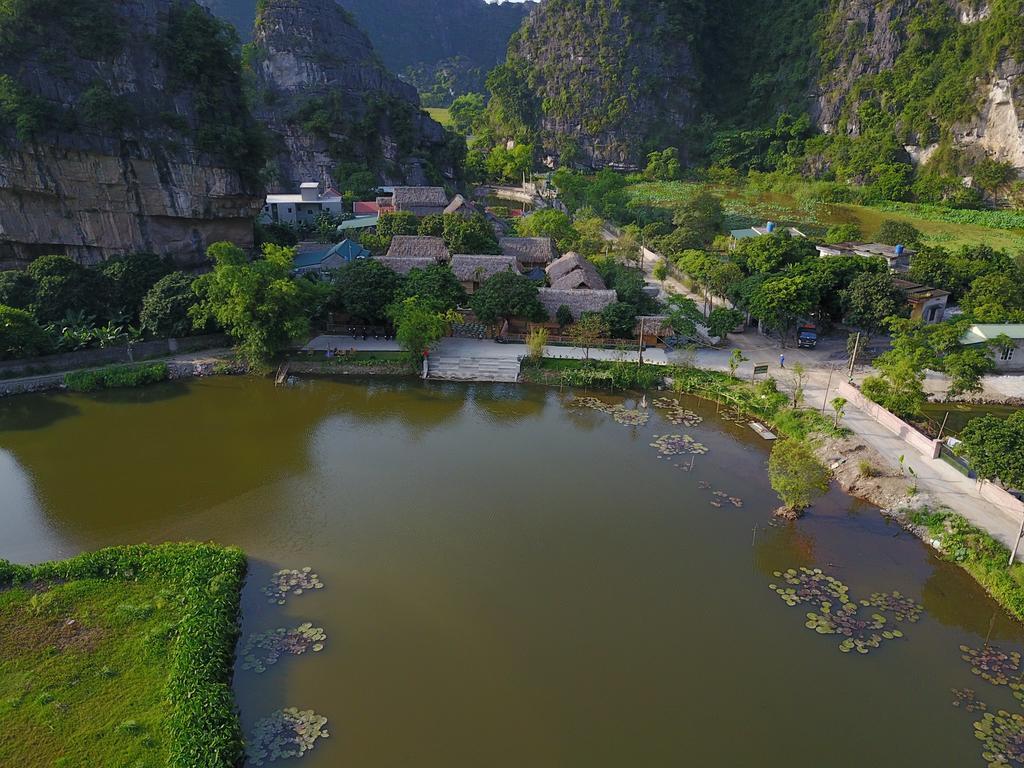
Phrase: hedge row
pixel 203 725
pixel 114 376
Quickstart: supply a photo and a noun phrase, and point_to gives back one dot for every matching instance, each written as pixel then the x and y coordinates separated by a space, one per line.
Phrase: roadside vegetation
pixel 121 657
pixel 979 554
pixel 116 376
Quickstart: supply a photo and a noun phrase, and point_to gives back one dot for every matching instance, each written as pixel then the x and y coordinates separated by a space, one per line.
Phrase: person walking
pixel 782 360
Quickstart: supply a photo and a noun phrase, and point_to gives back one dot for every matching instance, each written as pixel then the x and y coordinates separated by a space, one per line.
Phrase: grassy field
pixel 120 658
pixel 943 227
pixel 440 114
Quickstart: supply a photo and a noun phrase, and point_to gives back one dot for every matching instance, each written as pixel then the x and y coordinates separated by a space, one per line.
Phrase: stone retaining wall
pixel 91 358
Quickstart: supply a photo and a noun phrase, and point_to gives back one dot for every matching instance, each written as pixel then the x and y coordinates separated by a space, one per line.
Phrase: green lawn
pixel 121 658
pixel 940 226
pixel 440 114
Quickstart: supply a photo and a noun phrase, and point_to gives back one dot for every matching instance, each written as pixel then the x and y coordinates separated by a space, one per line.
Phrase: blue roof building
pixel 323 259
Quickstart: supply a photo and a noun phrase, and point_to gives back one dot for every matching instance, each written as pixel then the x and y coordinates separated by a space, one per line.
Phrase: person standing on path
pixel 782 360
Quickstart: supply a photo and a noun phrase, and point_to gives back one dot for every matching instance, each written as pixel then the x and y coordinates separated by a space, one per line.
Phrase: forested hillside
pixel 908 95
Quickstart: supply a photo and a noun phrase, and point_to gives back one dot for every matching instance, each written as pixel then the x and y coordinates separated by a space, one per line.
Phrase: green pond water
pixel 511 580
pixel 960 414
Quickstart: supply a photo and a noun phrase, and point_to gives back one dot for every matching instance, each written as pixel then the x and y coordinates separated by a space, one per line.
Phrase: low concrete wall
pixel 908 434
pixel 998 497
pixel 90 358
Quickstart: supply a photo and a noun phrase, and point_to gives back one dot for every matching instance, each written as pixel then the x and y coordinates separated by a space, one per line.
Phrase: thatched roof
pixel 573 271
pixel 404 265
pixel 478 268
pixel 529 250
pixel 418 247
pixel 578 301
pixel 419 197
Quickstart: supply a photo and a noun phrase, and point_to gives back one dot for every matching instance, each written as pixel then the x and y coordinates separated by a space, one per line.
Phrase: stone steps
pixel 474 369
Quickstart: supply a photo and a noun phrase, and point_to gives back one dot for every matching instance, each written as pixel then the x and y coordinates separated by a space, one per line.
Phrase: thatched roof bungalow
pixel 473 271
pixel 421 201
pixel 578 301
pixel 529 251
pixel 572 271
pixel 418 247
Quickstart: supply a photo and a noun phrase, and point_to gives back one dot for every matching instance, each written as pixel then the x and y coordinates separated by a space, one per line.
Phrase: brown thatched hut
pixel 418 247
pixel 473 271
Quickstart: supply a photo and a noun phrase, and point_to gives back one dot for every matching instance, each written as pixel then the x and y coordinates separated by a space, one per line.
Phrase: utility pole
pixel 640 346
pixel 943 427
pixel 824 400
pixel 853 357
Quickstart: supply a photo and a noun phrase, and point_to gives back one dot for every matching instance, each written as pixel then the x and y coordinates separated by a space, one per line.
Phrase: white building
pixel 303 208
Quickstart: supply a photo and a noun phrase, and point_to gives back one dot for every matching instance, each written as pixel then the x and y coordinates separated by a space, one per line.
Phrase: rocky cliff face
pixel 938 71
pixel 331 101
pixel 110 143
pixel 612 78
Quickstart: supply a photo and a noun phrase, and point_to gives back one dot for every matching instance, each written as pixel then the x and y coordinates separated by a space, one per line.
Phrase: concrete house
pixel 926 304
pixel 896 256
pixel 768 229
pixel 1007 359
pixel 474 271
pixel 303 208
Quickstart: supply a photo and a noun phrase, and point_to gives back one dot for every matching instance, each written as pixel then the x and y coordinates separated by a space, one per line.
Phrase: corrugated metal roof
pixel 983 332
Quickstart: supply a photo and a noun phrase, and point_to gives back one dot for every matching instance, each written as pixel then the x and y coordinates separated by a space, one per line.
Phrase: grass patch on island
pixel 121 657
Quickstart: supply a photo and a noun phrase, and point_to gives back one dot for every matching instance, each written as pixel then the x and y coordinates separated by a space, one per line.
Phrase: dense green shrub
pixel 20 335
pixel 115 376
pixel 203 722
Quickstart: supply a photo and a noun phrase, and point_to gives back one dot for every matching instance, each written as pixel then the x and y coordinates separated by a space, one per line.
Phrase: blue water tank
pixel 899 250
pixel 771 227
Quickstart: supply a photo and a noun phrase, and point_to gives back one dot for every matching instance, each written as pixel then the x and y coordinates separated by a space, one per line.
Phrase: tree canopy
pixel 257 302
pixel 507 295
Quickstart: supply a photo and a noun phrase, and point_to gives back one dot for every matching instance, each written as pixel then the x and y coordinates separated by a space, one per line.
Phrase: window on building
pixel 932 311
pixel 289 210
pixel 1006 354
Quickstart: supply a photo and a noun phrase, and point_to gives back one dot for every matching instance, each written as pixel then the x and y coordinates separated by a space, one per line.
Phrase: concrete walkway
pixel 936 479
pixel 484 348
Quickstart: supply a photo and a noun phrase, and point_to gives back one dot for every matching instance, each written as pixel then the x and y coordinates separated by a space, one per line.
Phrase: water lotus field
pixel 453 575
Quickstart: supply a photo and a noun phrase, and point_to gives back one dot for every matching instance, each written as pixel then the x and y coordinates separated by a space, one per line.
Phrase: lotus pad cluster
pixel 968 700
pixel 285 733
pixel 291 582
pixel 632 417
pixel 264 649
pixel 676 445
pixel 835 613
pixel 897 605
pixel 676 414
pixel 1002 738
pixel 992 664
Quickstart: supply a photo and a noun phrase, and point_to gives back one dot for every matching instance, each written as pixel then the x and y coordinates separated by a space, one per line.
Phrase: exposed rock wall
pixel 613 78
pixel 864 39
pixel 330 100
pixel 113 165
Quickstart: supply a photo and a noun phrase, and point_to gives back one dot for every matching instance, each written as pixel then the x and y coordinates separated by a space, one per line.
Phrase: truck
pixel 807 337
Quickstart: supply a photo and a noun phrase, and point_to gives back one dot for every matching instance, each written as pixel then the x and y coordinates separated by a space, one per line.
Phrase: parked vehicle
pixel 807 337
